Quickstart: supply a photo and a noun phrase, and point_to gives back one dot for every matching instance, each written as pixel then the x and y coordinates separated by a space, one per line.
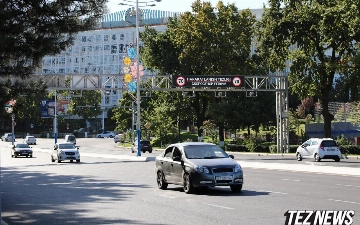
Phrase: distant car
pixel 7 137
pixel 318 149
pixel 118 138
pixel 30 140
pixel 106 134
pixel 65 151
pixel 21 149
pixel 197 164
pixel 144 146
pixel 70 138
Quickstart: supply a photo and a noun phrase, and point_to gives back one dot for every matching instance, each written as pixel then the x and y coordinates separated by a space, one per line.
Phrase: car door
pixel 313 147
pixel 165 163
pixel 176 166
pixel 304 150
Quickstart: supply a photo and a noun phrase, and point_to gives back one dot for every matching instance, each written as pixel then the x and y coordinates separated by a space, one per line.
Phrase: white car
pixel 106 134
pixel 318 149
pixel 30 140
pixel 65 151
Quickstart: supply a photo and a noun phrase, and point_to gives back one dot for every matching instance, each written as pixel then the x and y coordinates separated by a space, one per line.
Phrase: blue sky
pixel 183 5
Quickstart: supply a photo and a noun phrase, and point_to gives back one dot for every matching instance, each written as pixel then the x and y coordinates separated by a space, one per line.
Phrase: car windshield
pixel 22 146
pixel 30 137
pixel 204 152
pixel 71 138
pixel 66 146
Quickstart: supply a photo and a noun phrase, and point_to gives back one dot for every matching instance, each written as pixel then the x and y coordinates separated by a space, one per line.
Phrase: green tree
pixel 85 104
pixel 317 37
pixel 207 41
pixel 31 29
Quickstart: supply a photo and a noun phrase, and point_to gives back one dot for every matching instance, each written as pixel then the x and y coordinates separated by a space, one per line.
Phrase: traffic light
pixel 95 106
pixel 74 106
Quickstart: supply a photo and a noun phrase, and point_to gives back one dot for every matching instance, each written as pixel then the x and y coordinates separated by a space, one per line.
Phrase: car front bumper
pixel 21 153
pixel 225 179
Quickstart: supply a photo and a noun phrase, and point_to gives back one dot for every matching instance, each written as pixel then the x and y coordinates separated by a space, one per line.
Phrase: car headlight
pixel 201 169
pixel 237 168
pixel 77 152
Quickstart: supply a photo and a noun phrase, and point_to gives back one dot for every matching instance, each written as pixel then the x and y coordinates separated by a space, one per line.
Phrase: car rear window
pixel 145 142
pixel 71 138
pixel 66 146
pixel 328 143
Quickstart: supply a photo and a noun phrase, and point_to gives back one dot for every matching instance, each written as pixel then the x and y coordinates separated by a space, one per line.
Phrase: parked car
pixel 70 138
pixel 7 137
pixel 318 149
pixel 197 164
pixel 118 138
pixel 106 134
pixel 144 146
pixel 65 151
pixel 30 140
pixel 21 149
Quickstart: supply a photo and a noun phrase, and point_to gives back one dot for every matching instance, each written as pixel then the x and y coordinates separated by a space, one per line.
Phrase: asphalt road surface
pixel 111 185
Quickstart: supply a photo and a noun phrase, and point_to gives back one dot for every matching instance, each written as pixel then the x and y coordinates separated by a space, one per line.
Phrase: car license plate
pixel 331 150
pixel 224 178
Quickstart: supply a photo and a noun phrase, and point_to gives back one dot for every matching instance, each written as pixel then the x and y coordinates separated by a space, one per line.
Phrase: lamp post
pixel 138 98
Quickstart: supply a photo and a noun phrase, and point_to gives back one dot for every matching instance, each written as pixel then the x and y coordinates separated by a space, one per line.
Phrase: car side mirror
pixel 231 156
pixel 77 148
pixel 177 158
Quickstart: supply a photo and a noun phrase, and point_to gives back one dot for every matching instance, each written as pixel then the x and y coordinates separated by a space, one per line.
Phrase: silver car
pixel 65 151
pixel 197 164
pixel 30 140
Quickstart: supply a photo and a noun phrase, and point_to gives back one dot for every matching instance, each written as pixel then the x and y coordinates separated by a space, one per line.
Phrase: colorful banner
pixel 48 108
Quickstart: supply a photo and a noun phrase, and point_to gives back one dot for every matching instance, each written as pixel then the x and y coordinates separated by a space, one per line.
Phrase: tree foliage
pixel 31 29
pixel 207 41
pixel 316 37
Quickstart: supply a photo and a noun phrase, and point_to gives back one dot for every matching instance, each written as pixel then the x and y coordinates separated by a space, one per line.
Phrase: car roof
pixel 30 136
pixel 193 143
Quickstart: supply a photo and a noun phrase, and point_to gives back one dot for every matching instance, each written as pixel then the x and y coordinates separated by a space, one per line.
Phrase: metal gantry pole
pixel 138 126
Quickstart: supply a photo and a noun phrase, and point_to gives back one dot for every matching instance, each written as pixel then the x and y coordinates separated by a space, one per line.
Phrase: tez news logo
pixel 319 217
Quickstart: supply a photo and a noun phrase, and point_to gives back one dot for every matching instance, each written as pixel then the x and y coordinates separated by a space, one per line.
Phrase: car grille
pixel 222 170
pixel 70 153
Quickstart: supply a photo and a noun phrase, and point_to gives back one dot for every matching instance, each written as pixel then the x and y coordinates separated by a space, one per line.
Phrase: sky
pixel 182 5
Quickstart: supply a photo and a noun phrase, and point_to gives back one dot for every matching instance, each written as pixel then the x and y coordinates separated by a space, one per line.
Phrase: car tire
pixel 99 136
pixel 132 151
pixel 78 160
pixel 150 151
pixel 298 156
pixel 15 156
pixel 161 181
pixel 111 136
pixel 71 161
pixel 317 158
pixel 187 184
pixel 337 160
pixel 236 188
pixel 52 159
pixel 59 161
pixel 144 151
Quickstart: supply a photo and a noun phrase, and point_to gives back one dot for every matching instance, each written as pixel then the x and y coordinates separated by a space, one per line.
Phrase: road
pixel 113 186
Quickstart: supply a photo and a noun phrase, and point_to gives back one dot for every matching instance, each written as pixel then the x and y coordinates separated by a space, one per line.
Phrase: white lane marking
pixel 167 196
pixel 275 192
pixel 347 185
pixel 290 180
pixel 219 206
pixel 336 200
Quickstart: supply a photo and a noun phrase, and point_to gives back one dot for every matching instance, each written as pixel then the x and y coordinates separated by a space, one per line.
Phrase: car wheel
pixel 187 184
pixel 236 188
pixel 161 181
pixel 132 151
pixel 30 156
pixel 111 136
pixel 52 159
pixel 78 160
pixel 12 155
pixel 144 151
pixel 317 158
pixel 58 160
pixel 99 136
pixel 337 160
pixel 15 156
pixel 298 156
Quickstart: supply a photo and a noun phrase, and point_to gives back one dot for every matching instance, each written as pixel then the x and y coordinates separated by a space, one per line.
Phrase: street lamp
pixel 138 127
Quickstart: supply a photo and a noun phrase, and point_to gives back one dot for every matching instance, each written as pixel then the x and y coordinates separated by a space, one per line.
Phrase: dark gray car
pixel 197 164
